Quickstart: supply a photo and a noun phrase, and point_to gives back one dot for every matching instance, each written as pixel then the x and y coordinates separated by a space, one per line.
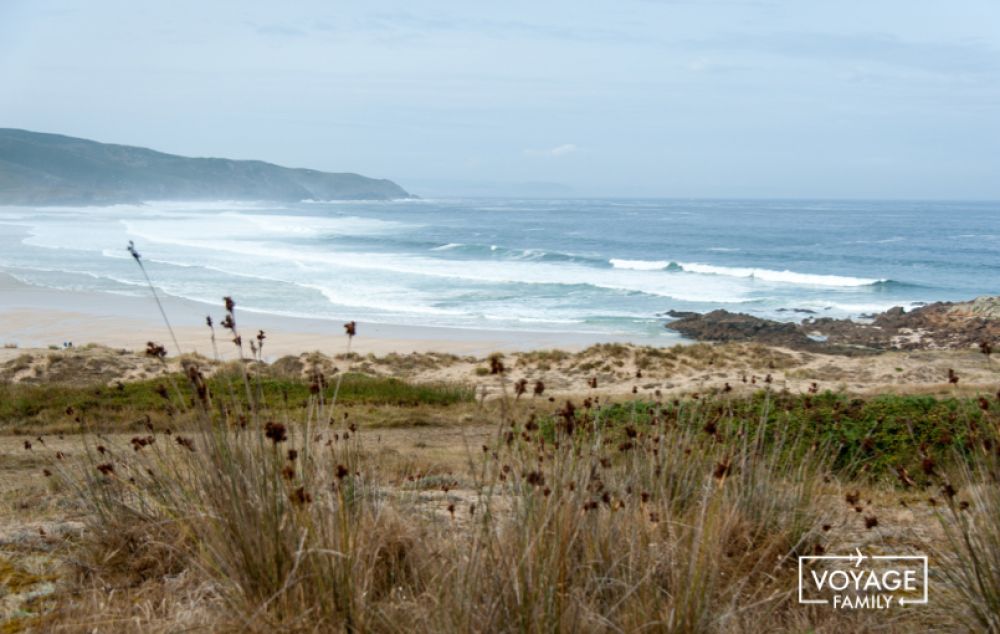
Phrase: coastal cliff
pixel 45 169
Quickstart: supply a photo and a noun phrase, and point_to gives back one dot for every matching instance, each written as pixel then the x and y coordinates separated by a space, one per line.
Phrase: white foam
pixel 211 205
pixel 531 254
pixel 383 301
pixel 768 275
pixel 314 225
pixel 782 277
pixel 639 265
pixel 686 288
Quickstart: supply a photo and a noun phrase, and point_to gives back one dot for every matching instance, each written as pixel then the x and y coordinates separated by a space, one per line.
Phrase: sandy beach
pixel 37 317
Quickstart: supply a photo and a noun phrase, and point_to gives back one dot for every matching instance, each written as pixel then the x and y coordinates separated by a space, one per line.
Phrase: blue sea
pixel 607 266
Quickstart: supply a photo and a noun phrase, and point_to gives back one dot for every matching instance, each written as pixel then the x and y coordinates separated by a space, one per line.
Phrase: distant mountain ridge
pixel 43 169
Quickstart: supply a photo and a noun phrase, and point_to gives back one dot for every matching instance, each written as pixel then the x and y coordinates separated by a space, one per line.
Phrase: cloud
pixel 557 151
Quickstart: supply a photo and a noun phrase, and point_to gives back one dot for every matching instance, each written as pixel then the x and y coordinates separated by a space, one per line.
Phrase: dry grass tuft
pixel 969 559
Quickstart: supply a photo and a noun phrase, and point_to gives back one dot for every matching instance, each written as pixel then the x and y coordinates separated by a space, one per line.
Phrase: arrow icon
pixel 859 557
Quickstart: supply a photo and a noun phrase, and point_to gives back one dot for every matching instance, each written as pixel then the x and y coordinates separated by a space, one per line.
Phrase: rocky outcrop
pixel 938 325
pixel 724 326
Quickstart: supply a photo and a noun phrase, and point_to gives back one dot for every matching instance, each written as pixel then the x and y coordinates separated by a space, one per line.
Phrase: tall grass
pixel 605 529
pixel 969 558
pixel 680 526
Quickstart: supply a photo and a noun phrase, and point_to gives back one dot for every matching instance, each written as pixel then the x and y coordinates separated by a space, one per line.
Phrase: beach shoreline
pixel 39 317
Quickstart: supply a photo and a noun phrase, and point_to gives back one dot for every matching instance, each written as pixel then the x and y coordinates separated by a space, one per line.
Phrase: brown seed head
pixel 536 478
pixel 520 387
pixel 904 477
pixel 722 469
pixel 300 497
pixel 927 465
pixel 276 432
pixel 496 364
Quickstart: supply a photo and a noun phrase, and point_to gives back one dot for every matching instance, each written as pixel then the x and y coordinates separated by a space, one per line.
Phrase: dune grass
pixel 297 528
pixel 970 553
pixel 133 406
pixel 681 516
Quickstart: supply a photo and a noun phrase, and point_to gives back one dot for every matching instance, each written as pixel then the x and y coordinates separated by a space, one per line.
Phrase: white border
pixel 859 557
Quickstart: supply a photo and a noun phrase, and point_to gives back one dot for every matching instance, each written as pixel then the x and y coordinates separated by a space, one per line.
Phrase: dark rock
pixel 722 326
pixel 938 325
pixel 681 314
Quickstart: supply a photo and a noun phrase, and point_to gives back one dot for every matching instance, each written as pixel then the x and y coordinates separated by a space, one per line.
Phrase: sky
pixel 673 98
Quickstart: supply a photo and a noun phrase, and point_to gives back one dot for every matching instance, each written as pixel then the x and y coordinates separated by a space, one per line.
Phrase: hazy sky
pixel 853 98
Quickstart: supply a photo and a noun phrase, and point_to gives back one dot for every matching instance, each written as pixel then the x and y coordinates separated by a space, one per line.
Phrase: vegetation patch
pixel 868 437
pixel 155 401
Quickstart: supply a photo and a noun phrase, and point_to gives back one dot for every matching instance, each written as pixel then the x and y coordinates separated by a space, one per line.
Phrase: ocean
pixel 605 266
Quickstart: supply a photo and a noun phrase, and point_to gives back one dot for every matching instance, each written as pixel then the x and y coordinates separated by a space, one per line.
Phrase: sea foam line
pixel 787 277
pixel 768 275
